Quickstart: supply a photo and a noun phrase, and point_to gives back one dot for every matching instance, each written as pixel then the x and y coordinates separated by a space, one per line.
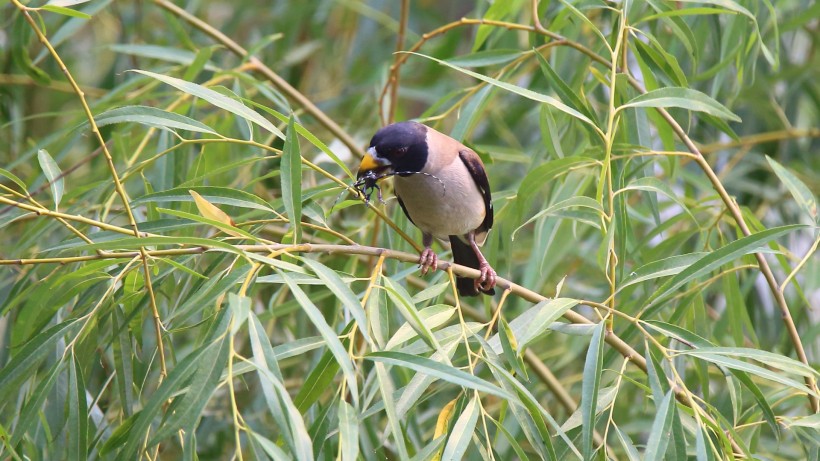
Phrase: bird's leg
pixel 428 257
pixel 487 279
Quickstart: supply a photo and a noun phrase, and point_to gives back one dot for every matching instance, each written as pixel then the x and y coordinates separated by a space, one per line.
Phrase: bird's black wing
pixel 479 174
pixel 404 209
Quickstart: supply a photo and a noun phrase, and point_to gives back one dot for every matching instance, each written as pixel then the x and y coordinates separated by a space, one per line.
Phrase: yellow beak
pixel 371 163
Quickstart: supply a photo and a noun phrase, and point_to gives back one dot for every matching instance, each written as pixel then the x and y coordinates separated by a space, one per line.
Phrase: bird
pixel 442 187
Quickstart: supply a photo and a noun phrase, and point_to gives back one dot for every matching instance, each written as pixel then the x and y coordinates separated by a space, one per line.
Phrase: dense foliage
pixel 186 273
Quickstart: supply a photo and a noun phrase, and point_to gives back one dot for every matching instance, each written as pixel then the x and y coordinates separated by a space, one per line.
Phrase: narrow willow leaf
pixel 415 389
pixel 535 414
pixel 204 381
pixel 402 301
pixel 343 293
pixel 53 175
pixel 217 99
pixel 572 202
pixel 310 137
pixel 21 32
pixel 213 194
pixel 770 359
pixel 439 370
pixel 153 117
pixel 485 58
pixel 593 368
pixel 77 422
pixel 721 359
pixel 130 435
pixel 564 91
pixel 431 317
pixel 65 11
pixel 605 398
pixel 650 184
pixel 801 193
pixel 472 113
pixel 163 53
pixel 631 452
pixel 14 179
pixel 386 388
pixel 672 265
pixel 548 312
pixel 331 338
pixel 659 435
pixel 719 257
pixel 348 431
pixel 428 453
pixel 702 448
pixel 462 432
pixel 443 420
pixel 529 94
pixel 34 403
pixel 209 210
pixel 542 174
pixel 684 98
pixel 291 168
pixel 27 359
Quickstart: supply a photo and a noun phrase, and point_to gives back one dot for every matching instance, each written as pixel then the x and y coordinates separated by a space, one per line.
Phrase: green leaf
pixel 77 421
pixel 386 388
pixel 348 432
pixel 217 99
pixel 564 91
pixel 684 98
pixel 659 435
pixel 661 268
pixel 27 359
pixel 153 117
pixel 213 194
pixel 721 359
pixel 130 435
pixel 430 317
pixel 439 370
pixel 401 300
pixel 53 175
pixel 529 94
pixel 572 202
pixel 719 257
pixel 291 167
pixel 164 53
pixel 203 383
pixel 485 58
pixel 65 11
pixel 19 51
pixel 331 338
pixel 548 311
pixel 462 432
pixel 543 174
pixel 14 179
pixel 801 193
pixel 590 388
pixel 650 184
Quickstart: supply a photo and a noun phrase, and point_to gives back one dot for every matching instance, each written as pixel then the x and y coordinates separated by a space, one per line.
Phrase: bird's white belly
pixel 449 205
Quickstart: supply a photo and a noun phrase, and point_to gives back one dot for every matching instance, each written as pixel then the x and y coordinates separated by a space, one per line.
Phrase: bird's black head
pixel 403 145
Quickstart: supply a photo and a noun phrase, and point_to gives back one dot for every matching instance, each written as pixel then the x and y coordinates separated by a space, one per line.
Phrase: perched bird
pixel 443 189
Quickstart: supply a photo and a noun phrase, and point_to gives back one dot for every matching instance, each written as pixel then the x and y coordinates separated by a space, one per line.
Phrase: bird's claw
pixel 428 259
pixel 486 281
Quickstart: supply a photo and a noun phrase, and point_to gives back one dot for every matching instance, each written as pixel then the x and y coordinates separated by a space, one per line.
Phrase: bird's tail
pixel 465 256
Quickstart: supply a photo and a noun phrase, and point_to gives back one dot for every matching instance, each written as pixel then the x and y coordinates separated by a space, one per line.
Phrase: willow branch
pixel 279 82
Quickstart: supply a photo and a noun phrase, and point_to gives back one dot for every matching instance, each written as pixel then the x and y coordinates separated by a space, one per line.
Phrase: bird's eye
pixel 400 151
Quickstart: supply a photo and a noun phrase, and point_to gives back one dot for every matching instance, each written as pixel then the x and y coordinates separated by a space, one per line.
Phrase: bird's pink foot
pixel 486 281
pixel 428 259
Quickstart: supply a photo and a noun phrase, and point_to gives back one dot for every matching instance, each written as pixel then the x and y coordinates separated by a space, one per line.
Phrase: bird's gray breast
pixel 445 202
